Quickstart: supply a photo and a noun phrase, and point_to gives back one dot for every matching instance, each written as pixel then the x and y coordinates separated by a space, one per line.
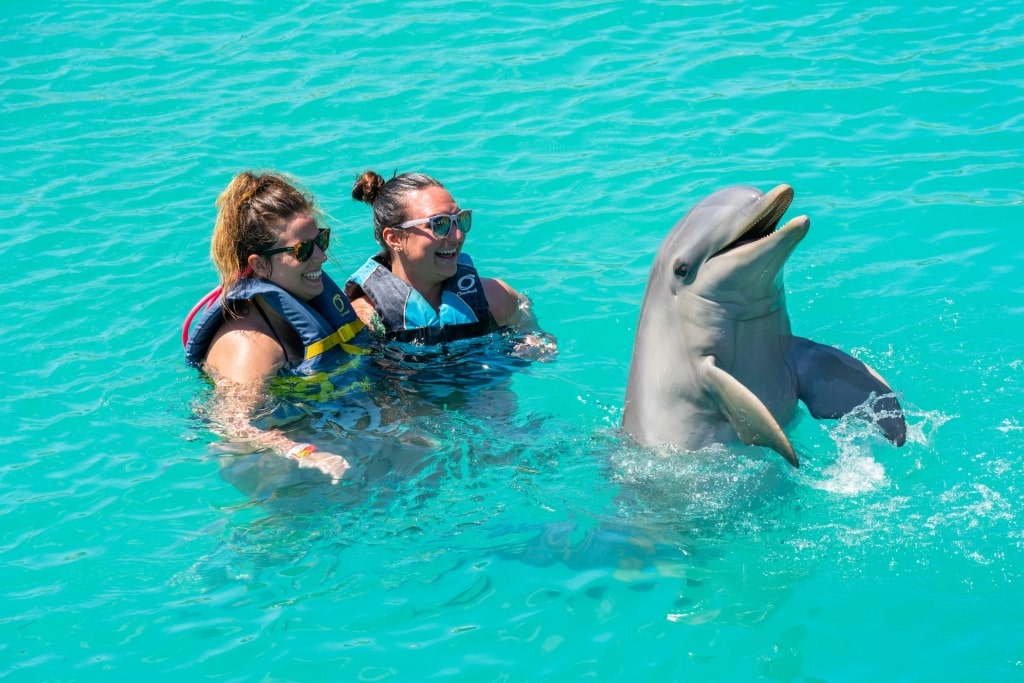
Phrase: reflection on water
pixel 472 376
pixel 437 438
pixel 688 529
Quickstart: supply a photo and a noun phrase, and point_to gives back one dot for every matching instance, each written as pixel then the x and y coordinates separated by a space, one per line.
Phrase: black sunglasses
pixel 303 250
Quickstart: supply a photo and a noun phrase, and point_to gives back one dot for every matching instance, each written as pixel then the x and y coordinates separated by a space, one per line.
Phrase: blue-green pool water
pixel 522 539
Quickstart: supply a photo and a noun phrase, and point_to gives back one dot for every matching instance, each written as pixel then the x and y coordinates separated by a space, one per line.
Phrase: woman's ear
pixel 393 239
pixel 259 266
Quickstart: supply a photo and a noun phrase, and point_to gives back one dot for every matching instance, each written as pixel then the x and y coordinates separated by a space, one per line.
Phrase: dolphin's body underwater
pixel 714 359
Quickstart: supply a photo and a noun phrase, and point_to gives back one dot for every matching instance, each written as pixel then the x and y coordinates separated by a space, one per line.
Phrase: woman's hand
pixel 330 464
pixel 538 346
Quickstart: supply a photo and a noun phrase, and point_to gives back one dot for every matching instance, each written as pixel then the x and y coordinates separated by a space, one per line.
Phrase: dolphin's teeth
pixel 763 226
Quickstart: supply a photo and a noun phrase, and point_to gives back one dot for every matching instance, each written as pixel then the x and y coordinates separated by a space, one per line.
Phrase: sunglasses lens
pixel 441 225
pixel 465 219
pixel 303 250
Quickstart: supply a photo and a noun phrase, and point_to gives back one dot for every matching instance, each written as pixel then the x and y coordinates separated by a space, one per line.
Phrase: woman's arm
pixel 509 307
pixel 512 309
pixel 364 310
pixel 241 361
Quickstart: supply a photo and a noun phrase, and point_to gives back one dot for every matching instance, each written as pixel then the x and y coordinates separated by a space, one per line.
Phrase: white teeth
pixel 315 275
pixel 450 252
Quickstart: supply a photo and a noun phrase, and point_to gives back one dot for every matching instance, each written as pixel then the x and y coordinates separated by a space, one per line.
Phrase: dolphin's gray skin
pixel 714 359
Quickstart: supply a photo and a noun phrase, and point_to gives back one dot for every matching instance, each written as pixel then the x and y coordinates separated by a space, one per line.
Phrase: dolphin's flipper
pixel 750 417
pixel 832 383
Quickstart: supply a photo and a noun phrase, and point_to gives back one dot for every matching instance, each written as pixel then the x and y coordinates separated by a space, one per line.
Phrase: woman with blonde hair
pixel 275 313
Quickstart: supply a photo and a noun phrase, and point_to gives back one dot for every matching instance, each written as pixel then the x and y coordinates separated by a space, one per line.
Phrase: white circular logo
pixel 466 283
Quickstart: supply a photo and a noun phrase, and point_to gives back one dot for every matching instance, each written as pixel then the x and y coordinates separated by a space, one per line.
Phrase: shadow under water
pixel 387 414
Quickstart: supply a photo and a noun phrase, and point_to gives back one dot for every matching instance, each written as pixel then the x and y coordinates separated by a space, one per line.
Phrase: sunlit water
pixel 507 531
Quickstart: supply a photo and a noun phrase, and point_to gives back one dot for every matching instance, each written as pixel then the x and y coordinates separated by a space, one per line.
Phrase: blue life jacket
pixel 407 317
pixel 330 331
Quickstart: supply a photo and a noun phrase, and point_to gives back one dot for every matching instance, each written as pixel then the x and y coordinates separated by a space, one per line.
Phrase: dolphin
pixel 714 360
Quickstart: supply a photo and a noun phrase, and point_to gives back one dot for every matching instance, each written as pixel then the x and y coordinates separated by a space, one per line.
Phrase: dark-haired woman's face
pixel 426 259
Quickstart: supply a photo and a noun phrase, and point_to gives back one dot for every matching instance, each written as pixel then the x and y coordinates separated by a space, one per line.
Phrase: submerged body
pixel 714 359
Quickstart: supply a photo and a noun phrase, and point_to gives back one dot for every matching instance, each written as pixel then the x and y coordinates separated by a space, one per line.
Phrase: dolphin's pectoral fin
pixel 832 383
pixel 753 422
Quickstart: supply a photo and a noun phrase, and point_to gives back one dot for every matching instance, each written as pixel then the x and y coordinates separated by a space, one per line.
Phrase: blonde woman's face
pixel 302 279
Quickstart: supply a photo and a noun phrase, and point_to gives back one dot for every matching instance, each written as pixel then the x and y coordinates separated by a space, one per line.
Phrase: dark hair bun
pixel 367 187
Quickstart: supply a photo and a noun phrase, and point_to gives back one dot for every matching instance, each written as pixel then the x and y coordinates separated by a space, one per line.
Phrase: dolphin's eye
pixel 682 270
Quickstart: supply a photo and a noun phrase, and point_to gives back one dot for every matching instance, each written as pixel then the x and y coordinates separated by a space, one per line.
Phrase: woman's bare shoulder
pixel 243 351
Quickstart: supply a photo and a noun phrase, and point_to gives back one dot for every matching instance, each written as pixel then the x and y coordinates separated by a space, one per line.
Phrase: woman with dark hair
pixel 422 287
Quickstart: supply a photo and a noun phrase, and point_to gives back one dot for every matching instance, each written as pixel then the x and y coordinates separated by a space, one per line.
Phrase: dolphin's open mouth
pixel 762 226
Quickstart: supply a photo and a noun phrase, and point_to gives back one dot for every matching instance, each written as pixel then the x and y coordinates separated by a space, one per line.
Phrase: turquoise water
pixel 518 538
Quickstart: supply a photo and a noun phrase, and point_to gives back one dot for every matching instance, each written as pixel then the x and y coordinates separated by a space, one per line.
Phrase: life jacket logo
pixel 466 283
pixel 339 303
